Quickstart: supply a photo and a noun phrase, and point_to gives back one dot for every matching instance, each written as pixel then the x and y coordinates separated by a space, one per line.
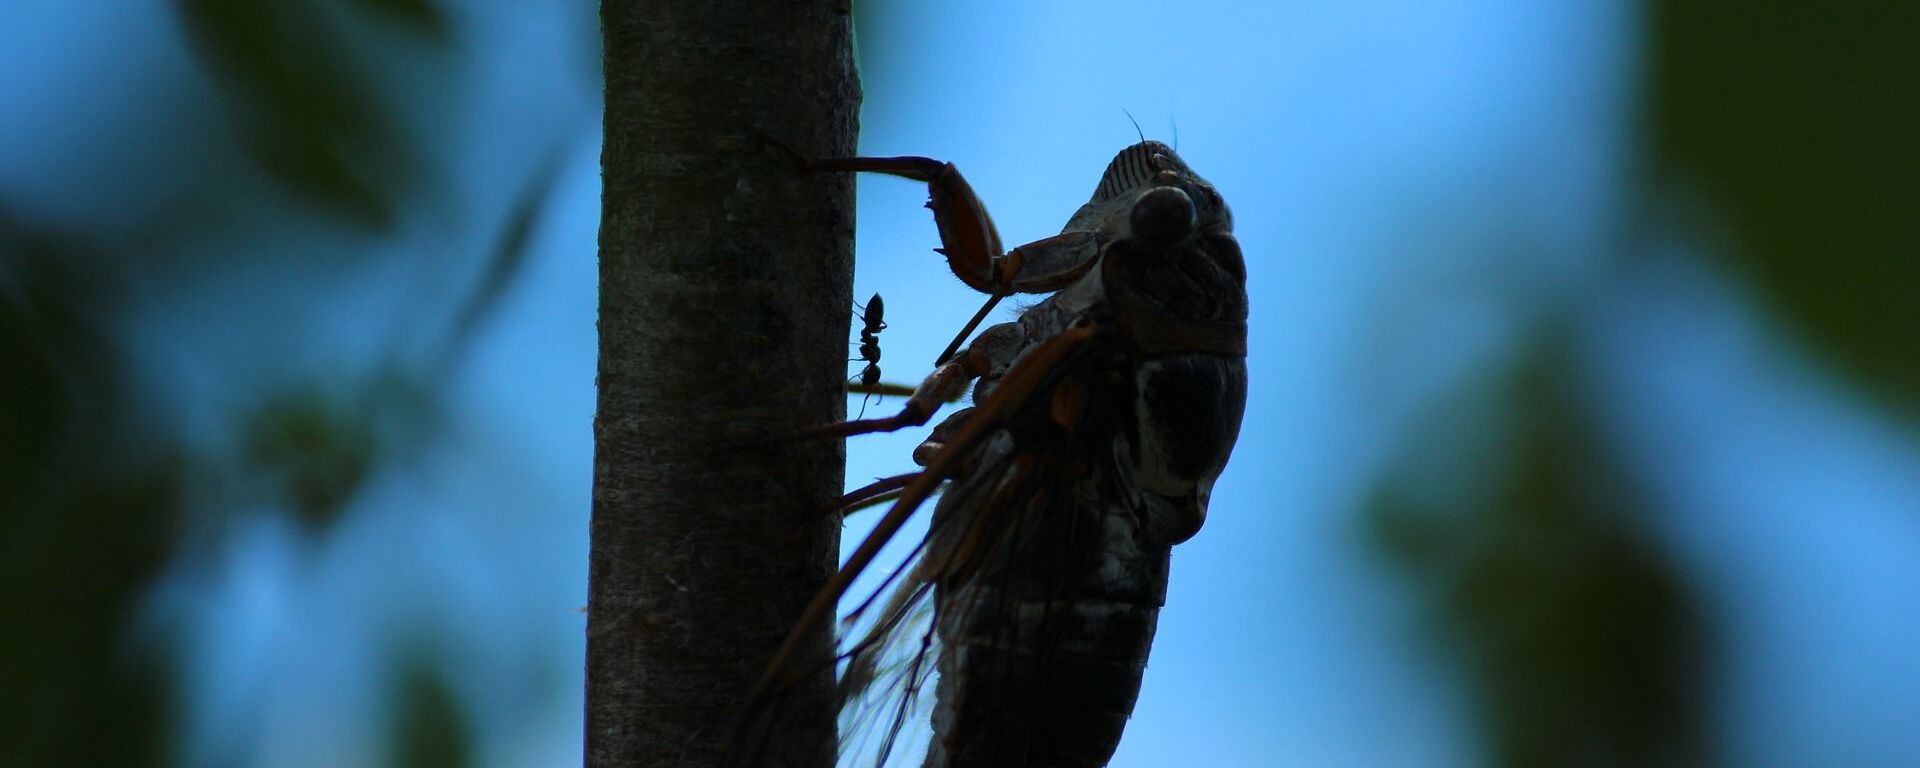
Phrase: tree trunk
pixel 725 298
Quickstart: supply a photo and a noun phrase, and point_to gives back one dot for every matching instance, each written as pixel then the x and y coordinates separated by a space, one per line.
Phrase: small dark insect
pixel 873 321
pixel 1102 416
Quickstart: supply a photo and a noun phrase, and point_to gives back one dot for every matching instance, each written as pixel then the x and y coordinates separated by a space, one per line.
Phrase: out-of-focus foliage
pixel 318 446
pixel 94 474
pixel 1796 125
pixel 1580 643
pixel 316 449
pixel 1790 132
pixel 423 15
pixel 504 263
pixel 87 512
pixel 309 108
pixel 431 730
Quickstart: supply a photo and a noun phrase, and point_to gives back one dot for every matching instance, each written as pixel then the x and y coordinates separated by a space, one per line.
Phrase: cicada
pixel 1101 417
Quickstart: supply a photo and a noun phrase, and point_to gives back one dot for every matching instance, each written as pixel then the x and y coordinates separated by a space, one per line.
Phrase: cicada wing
pixel 893 657
pixel 881 684
pixel 986 554
pixel 884 682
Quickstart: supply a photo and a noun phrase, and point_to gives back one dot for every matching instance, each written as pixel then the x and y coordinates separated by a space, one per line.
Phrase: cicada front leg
pixel 967 236
pixel 971 243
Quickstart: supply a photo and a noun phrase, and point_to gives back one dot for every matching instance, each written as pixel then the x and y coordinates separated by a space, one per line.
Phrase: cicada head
pixel 1148 192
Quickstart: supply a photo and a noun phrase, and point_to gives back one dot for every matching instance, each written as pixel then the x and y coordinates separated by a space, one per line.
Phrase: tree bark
pixel 725 298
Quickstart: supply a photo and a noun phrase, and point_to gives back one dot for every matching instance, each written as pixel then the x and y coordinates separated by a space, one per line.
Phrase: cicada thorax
pixel 1184 310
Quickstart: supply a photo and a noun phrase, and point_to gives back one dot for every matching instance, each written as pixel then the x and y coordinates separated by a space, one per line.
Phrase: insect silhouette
pixel 873 320
pixel 1102 416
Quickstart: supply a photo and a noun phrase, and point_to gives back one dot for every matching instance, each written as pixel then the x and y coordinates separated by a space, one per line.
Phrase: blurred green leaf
pixel 311 113
pixel 1800 122
pixel 1578 637
pixel 88 504
pixel 431 730
pixel 503 266
pixel 318 449
pixel 36 400
pixel 421 15
pixel 316 445
pixel 72 578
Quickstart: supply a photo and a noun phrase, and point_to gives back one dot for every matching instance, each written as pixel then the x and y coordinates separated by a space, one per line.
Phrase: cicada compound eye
pixel 1164 216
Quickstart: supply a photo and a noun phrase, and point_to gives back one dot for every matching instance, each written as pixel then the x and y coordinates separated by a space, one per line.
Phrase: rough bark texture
pixel 725 282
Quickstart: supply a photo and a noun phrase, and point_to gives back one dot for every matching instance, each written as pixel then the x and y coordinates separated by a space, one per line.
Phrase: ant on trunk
pixel 873 319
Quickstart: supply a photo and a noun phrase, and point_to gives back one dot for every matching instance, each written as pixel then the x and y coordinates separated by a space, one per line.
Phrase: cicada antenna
pixel 1136 125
